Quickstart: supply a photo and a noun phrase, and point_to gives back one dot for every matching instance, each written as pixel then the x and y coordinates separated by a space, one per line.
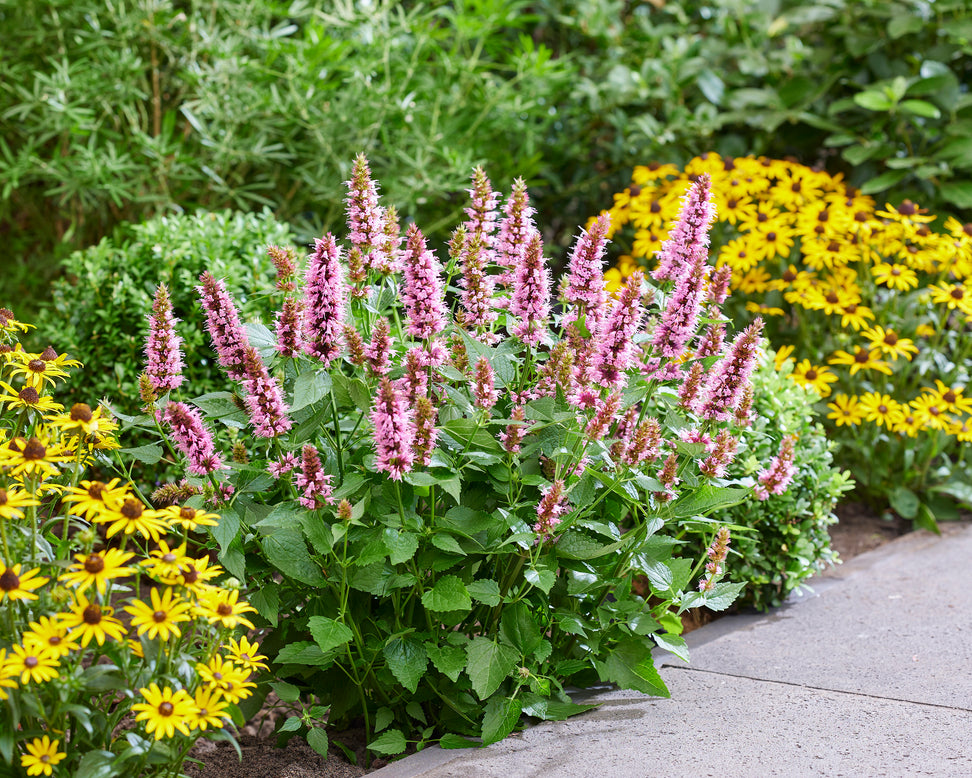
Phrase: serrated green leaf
pixel 448 594
pixel 488 663
pixel 630 666
pixel 328 633
pixel 448 660
pixel 390 743
pixel 674 644
pixel 401 545
pixel 383 718
pixel 499 719
pixel 149 454
pixel 287 692
pixel 485 591
pixel 310 388
pixel 576 545
pixel 292 724
pixel 448 543
pixel 286 551
pixel 303 652
pixel 551 709
pixel 407 661
pixel 519 628
pixel 707 499
pixel 541 578
pixel 450 741
pixel 317 739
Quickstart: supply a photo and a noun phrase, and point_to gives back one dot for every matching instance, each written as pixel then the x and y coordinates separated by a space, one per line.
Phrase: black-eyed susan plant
pixel 118 646
pixel 869 308
pixel 445 477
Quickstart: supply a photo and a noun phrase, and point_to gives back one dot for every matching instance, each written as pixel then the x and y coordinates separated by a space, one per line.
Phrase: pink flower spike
pixel 482 211
pixel 192 438
pixel 284 465
pixel 531 293
pixel 689 238
pixel 426 433
pixel 681 315
pixel 423 289
pixel 484 389
pixel 615 345
pixel 394 432
pixel 379 349
pixel 288 328
pixel 776 478
pixel 315 484
pixel 264 398
pixel 552 505
pixel 162 347
pixel 223 324
pixel 515 230
pixel 730 376
pixel 366 219
pixel 585 293
pixel 324 303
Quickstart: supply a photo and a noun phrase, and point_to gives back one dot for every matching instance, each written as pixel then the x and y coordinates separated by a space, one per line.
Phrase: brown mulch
pixel 859 530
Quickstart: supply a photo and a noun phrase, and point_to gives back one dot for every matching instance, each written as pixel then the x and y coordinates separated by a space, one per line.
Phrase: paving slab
pixel 895 623
pixel 870 675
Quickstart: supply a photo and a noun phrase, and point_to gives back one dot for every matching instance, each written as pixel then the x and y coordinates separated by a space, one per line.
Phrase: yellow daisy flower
pixel 221 606
pixel 861 359
pixel 881 409
pixel 783 354
pixel 42 756
pixel 246 654
pixel 98 568
pixel 845 410
pixel 888 342
pixel 854 315
pixel 35 370
pixel 134 516
pixel 94 497
pixel 50 634
pixel 210 709
pixel 33 663
pixel 954 399
pixel 14 586
pixel 90 621
pixel 30 457
pixel 816 377
pixel 160 619
pixel 164 711
pixel 230 680
pixel 895 276
pixel 906 212
pixel 12 500
pixel 28 398
pixel 952 295
pixel 931 413
pixel 6 682
pixel 165 562
pixel 190 518
pixel 195 575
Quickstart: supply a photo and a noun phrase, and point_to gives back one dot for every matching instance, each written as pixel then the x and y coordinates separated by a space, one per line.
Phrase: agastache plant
pixel 446 493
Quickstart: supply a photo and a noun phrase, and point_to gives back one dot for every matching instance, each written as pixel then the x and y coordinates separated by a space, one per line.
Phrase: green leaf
pixel 920 108
pixel 904 24
pixel 310 388
pixel 328 633
pixel 287 692
pixel 674 644
pixel 401 545
pixel 926 519
pixel 576 545
pixel 874 101
pixel 292 724
pixel 542 578
pixel 711 86
pixel 317 739
pixel 884 181
pixel 407 660
pixel 448 594
pixel 266 600
pixel 501 716
pixel 551 709
pixel 448 660
pixel 630 666
pixel 448 543
pixel 519 628
pixel 96 764
pixel 707 499
pixel 485 591
pixel 957 193
pixel 450 741
pixel 489 663
pixel 383 719
pixel 303 652
pixel 571 623
pixel 904 501
pixel 286 551
pixel 149 454
pixel 391 743
pixel 723 595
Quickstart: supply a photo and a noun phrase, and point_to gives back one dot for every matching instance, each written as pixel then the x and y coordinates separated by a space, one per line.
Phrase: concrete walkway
pixel 869 676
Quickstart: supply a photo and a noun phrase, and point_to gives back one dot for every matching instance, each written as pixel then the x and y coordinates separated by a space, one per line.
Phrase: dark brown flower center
pixel 49 354
pixel 81 412
pixel 811 375
pixel 655 206
pixel 832 297
pixel 762 217
pixel 92 614
pixel 908 208
pixel 132 509
pixel 54 640
pixel 190 575
pixel 860 216
pixel 958 293
pixel 168 558
pixel 789 276
pixel 187 514
pixel 37 366
pixel 796 186
pixel 823 216
pixel 949 397
pixel 95 488
pixel 890 338
pixel 34 449
pixel 29 395
pixel 166 708
pixel 94 564
pixel 159 616
pixel 9 581
pixel 896 271
pixel 882 408
pixel 217 676
pixel 967 229
pixel 770 236
pixel 862 357
pixel 933 410
pixel 833 247
pixel 224 609
pixel 30 662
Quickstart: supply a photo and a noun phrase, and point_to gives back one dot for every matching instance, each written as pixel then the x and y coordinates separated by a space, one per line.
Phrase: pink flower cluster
pixel 423 292
pixel 776 478
pixel 316 485
pixel 394 432
pixel 324 301
pixel 223 324
pixel 531 293
pixel 162 347
pixel 192 438
pixel 552 505
pixel 264 397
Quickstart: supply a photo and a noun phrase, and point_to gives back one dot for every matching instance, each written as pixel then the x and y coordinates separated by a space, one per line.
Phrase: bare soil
pixel 859 530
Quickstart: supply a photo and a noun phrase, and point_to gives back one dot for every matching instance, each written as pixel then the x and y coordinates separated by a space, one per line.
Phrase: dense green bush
pixel 883 81
pixel 111 112
pixel 791 541
pixel 101 303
